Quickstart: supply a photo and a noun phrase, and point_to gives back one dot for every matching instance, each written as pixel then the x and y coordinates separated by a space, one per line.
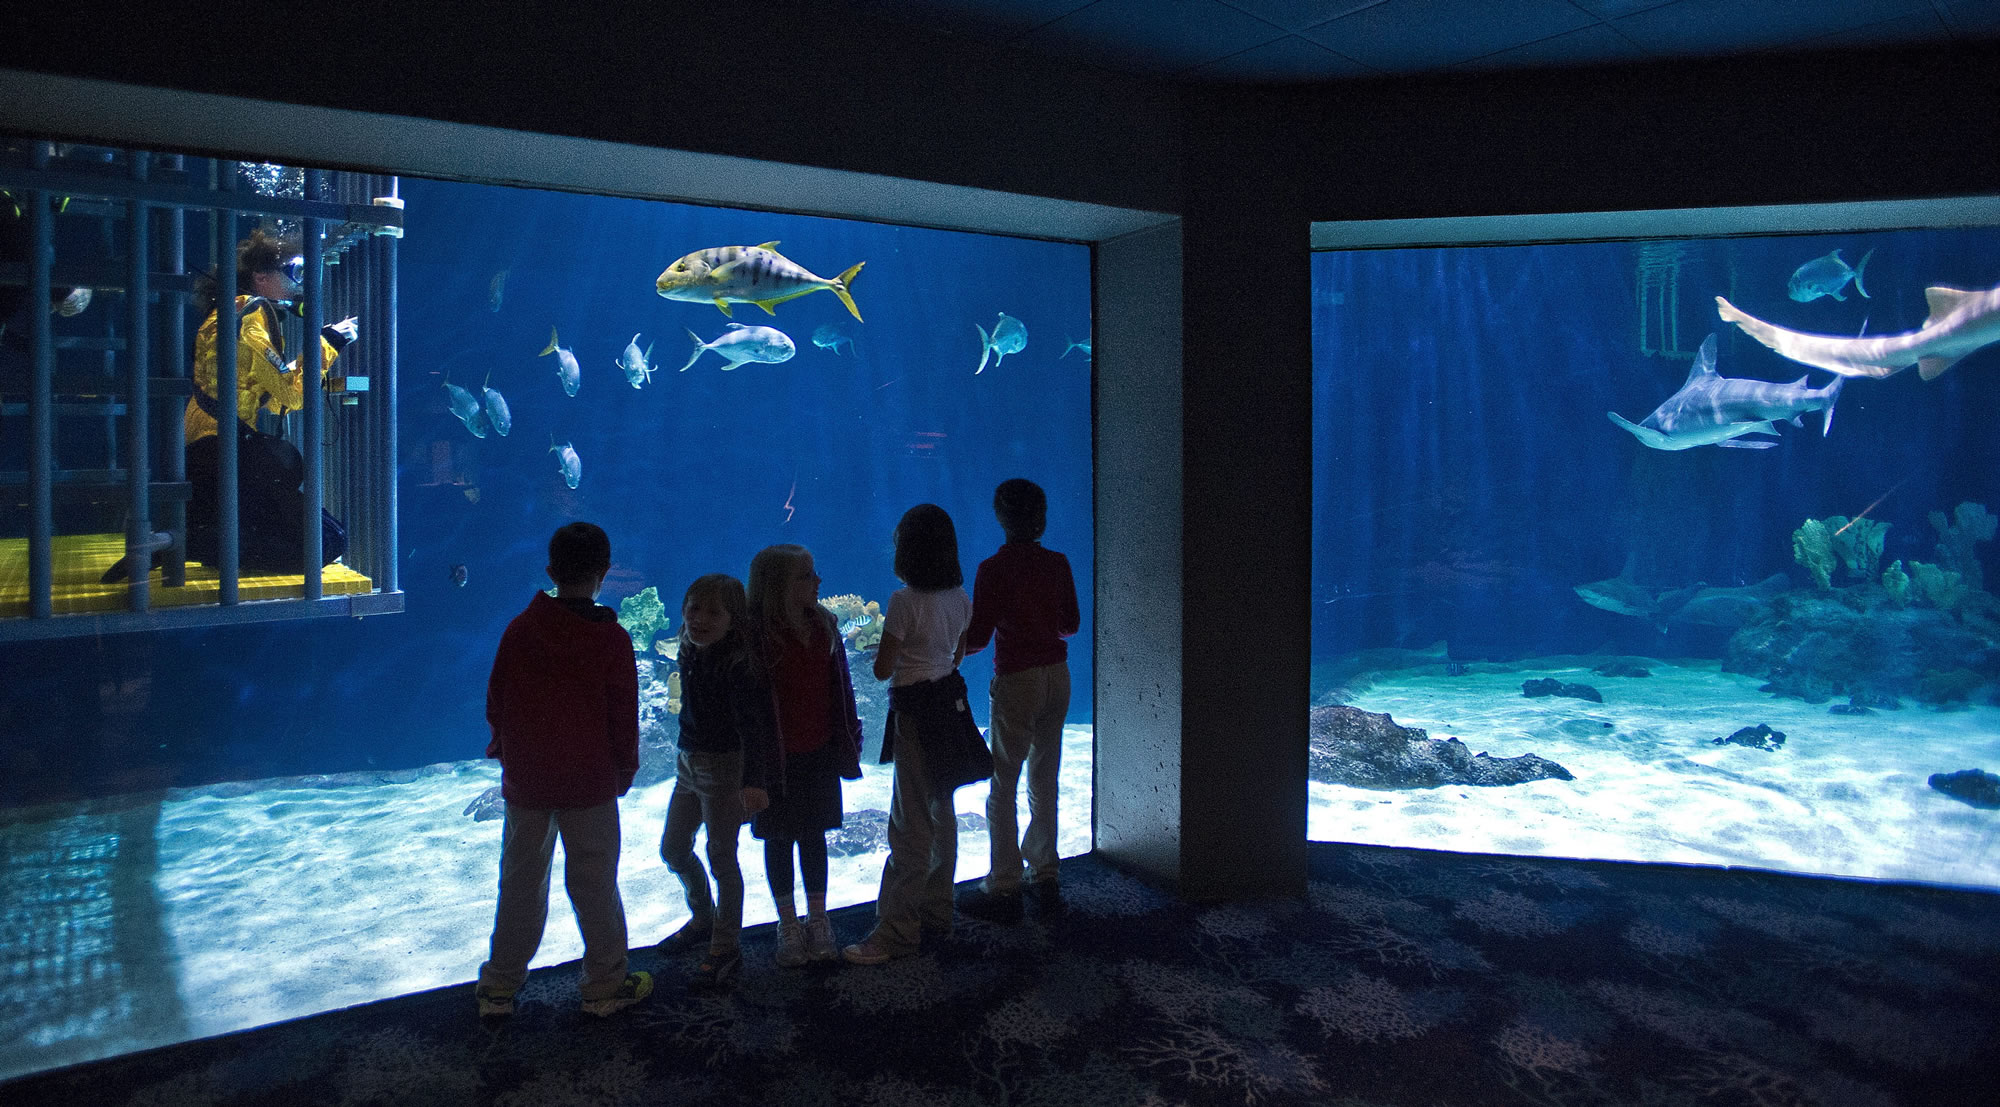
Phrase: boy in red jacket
pixel 563 701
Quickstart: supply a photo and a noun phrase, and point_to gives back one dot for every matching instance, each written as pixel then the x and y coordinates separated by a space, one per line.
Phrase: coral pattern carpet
pixel 1403 977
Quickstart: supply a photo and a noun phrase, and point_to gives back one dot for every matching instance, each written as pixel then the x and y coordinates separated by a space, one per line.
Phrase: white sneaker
pixel 819 940
pixel 792 951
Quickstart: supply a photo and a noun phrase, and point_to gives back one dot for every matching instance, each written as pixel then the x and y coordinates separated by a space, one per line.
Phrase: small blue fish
pixel 1010 336
pixel 1826 277
pixel 572 465
pixel 497 413
pixel 459 575
pixel 830 337
pixel 637 366
pixel 566 366
pixel 739 344
pixel 496 290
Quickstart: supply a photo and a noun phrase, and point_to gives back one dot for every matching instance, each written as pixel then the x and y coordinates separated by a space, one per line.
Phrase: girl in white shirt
pixel 923 640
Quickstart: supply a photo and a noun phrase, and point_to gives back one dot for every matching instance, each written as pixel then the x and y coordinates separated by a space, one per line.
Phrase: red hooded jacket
pixel 563 702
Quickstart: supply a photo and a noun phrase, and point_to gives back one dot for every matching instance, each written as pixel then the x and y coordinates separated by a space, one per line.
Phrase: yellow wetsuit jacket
pixel 263 377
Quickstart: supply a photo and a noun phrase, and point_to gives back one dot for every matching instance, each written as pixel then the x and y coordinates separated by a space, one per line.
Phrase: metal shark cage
pixel 120 224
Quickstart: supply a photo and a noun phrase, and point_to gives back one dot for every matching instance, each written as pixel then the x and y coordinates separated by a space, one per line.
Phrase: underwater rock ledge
pixel 1369 750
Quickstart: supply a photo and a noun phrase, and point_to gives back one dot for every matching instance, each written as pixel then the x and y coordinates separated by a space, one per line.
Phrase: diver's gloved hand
pixel 340 334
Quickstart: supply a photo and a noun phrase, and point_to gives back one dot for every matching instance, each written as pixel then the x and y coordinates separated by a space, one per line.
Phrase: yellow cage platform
pixel 80 559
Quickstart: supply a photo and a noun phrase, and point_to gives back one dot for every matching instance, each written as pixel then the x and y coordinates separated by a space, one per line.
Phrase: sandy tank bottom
pixel 144 921
pixel 1846 796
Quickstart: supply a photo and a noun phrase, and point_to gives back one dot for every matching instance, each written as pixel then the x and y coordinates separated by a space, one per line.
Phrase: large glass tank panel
pixel 1602 513
pixel 205 830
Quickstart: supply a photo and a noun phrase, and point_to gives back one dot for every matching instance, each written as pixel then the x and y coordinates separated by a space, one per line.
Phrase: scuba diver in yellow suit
pixel 269 469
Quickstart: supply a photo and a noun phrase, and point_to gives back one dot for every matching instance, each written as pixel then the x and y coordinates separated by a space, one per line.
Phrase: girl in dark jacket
pixel 819 741
pixel 721 778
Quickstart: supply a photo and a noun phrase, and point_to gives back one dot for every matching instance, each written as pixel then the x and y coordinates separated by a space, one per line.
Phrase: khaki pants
pixel 923 851
pixel 1028 710
pixel 590 838
pixel 708 792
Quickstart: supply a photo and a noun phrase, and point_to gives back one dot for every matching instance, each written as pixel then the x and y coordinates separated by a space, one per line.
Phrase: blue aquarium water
pixel 204 830
pixel 1483 520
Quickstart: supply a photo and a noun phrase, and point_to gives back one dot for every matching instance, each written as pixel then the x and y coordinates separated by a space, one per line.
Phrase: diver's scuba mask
pixel 295 270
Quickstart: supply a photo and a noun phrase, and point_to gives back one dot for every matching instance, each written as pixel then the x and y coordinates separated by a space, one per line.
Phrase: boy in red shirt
pixel 563 701
pixel 1024 599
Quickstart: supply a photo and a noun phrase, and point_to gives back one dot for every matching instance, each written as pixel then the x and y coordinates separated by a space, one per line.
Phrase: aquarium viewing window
pixel 1662 536
pixel 225 825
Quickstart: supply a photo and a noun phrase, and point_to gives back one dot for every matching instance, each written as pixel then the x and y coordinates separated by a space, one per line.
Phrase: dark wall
pixel 1756 130
pixel 803 84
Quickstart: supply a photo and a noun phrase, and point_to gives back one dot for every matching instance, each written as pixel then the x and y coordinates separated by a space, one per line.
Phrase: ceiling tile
pixel 1590 45
pixel 1151 36
pixel 1903 31
pixel 1972 17
pixel 1297 15
pixel 1288 59
pixel 1729 26
pixel 1411 35
pixel 1612 9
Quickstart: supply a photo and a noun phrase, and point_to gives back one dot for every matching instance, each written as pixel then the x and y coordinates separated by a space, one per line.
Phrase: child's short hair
pixel 1022 508
pixel 927 550
pixel 578 552
pixel 727 592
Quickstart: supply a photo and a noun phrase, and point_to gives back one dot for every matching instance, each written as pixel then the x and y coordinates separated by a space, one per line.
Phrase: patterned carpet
pixel 1405 977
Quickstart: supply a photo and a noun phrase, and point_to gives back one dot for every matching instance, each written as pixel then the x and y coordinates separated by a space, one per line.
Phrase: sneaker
pixel 637 986
pixel 1047 898
pixel 493 1004
pixel 716 972
pixel 869 953
pixel 819 940
pixel 692 936
pixel 792 951
pixel 995 907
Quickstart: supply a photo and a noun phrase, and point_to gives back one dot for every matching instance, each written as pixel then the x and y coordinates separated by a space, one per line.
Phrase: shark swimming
pixel 1713 410
pixel 1960 322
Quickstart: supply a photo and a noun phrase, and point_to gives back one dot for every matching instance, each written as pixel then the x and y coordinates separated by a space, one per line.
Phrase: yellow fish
pixel 759 275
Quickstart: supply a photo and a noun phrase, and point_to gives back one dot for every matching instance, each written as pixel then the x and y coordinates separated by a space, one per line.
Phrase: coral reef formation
pixel 1970 525
pixel 1369 750
pixel 1929 630
pixel 643 616
pixel 860 620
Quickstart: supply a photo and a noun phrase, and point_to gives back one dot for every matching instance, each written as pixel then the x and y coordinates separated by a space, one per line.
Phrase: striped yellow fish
pixel 760 275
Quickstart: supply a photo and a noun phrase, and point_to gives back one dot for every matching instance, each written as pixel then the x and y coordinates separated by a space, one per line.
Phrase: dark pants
pixel 270 506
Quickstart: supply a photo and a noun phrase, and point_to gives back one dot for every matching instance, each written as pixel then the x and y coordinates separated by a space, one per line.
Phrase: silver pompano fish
pixel 1713 410
pixel 465 408
pixel 724 275
pixel 570 464
pixel 1010 336
pixel 497 413
pixel 1826 277
pixel 1960 322
pixel 830 337
pixel 740 344
pixel 566 366
pixel 637 366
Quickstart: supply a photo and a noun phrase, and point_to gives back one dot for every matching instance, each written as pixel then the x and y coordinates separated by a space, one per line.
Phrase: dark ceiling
pixel 1229 41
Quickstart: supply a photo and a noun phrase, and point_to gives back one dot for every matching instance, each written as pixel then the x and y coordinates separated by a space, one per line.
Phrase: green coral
pixel 1956 541
pixel 1936 585
pixel 643 616
pixel 1858 544
pixel 1812 547
pixel 1896 582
